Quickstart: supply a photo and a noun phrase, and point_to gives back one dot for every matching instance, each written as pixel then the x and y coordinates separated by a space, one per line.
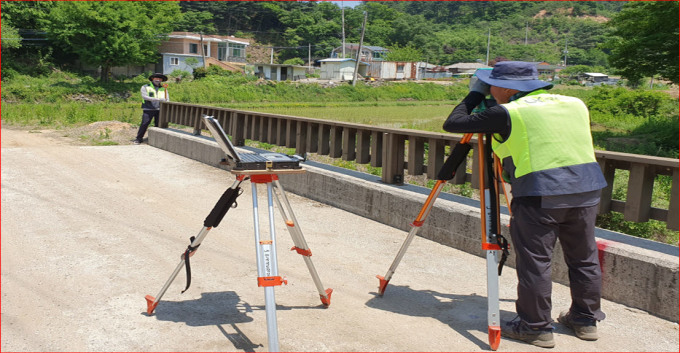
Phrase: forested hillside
pixel 635 39
pixel 444 32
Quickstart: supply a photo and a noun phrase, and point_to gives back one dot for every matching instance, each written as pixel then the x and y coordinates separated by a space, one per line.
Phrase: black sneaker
pixel 585 329
pixel 517 330
pixel 137 142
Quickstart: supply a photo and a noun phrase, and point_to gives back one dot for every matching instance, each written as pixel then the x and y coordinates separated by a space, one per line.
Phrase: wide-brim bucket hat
pixel 161 76
pixel 519 75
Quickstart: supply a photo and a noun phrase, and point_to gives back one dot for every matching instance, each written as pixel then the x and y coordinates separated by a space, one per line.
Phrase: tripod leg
pixel 447 172
pixel 267 268
pixel 417 223
pixel 300 244
pixel 492 292
pixel 152 302
pixel 490 215
pixel 492 278
pixel 213 219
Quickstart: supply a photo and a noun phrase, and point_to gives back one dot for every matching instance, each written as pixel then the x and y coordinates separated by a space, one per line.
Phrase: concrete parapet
pixel 636 272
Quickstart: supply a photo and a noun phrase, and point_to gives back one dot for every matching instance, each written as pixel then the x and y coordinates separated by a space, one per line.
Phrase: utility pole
pixel 361 43
pixel 203 51
pixel 565 51
pixel 309 56
pixel 488 44
pixel 343 31
pixel 271 56
pixel 526 34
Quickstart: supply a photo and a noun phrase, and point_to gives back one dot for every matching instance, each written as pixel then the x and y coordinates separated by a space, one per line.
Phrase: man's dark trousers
pixel 534 231
pixel 146 120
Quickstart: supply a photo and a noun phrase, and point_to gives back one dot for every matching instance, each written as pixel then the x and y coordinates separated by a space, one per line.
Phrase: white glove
pixel 477 85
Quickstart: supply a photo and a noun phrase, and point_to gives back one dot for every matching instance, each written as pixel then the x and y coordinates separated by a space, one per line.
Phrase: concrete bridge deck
pixel 88 231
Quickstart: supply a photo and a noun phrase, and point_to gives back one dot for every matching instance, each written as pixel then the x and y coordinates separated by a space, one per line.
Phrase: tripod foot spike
pixel 383 284
pixel 494 337
pixel 326 300
pixel 150 304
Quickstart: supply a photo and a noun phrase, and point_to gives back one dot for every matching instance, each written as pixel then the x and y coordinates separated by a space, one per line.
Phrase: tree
pixel 10 37
pixel 191 61
pixel 646 40
pixel 198 22
pixel 407 53
pixel 25 14
pixel 112 33
pixel 294 61
pixel 31 53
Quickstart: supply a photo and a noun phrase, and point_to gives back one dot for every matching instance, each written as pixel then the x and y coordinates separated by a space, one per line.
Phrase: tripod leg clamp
pixel 271 281
pixel 302 252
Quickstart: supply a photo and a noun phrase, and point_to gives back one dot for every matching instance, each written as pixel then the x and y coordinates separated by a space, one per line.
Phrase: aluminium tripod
pixel 495 245
pixel 267 267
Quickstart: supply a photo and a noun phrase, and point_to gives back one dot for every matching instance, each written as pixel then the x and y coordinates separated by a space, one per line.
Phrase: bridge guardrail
pixel 400 151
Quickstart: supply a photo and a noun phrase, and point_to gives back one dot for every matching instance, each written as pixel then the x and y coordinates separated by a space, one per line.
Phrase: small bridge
pixel 399 151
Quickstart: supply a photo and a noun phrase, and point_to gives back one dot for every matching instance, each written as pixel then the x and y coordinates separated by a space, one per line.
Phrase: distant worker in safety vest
pixel 152 95
pixel 546 148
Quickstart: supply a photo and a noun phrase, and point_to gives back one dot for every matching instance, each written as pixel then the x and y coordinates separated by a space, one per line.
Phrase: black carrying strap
pixel 187 256
pixel 505 248
pixel 227 201
pixel 456 158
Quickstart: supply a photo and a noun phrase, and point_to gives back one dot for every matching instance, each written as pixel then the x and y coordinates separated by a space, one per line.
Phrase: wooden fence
pixel 399 151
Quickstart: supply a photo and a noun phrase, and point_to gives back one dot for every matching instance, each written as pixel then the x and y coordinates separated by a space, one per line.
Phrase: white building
pixel 280 72
pixel 341 69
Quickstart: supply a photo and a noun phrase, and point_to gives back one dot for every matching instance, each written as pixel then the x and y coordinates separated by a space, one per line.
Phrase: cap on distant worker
pixel 161 76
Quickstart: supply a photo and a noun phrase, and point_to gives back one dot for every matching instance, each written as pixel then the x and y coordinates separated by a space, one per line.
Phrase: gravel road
pixel 88 231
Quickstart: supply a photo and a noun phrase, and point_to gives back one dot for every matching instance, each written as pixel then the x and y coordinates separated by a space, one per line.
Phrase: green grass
pixel 68 114
pixel 427 116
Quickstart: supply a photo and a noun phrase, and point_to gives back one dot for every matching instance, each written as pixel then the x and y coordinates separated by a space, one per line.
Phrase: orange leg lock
pixel 302 252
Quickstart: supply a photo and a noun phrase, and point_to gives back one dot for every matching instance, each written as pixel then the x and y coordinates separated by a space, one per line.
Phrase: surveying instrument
pixel 259 168
pixel 495 245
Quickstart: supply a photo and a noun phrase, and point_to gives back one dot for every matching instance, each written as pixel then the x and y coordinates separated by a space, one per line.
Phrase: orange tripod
pixel 493 243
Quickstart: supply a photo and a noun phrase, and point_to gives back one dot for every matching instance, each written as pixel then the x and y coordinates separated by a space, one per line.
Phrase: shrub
pixel 8 73
pixel 180 74
pixel 218 71
pixel 200 73
pixel 619 100
pixel 294 61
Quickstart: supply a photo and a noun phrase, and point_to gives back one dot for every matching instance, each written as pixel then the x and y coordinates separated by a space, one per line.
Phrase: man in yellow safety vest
pixel 152 95
pixel 545 145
